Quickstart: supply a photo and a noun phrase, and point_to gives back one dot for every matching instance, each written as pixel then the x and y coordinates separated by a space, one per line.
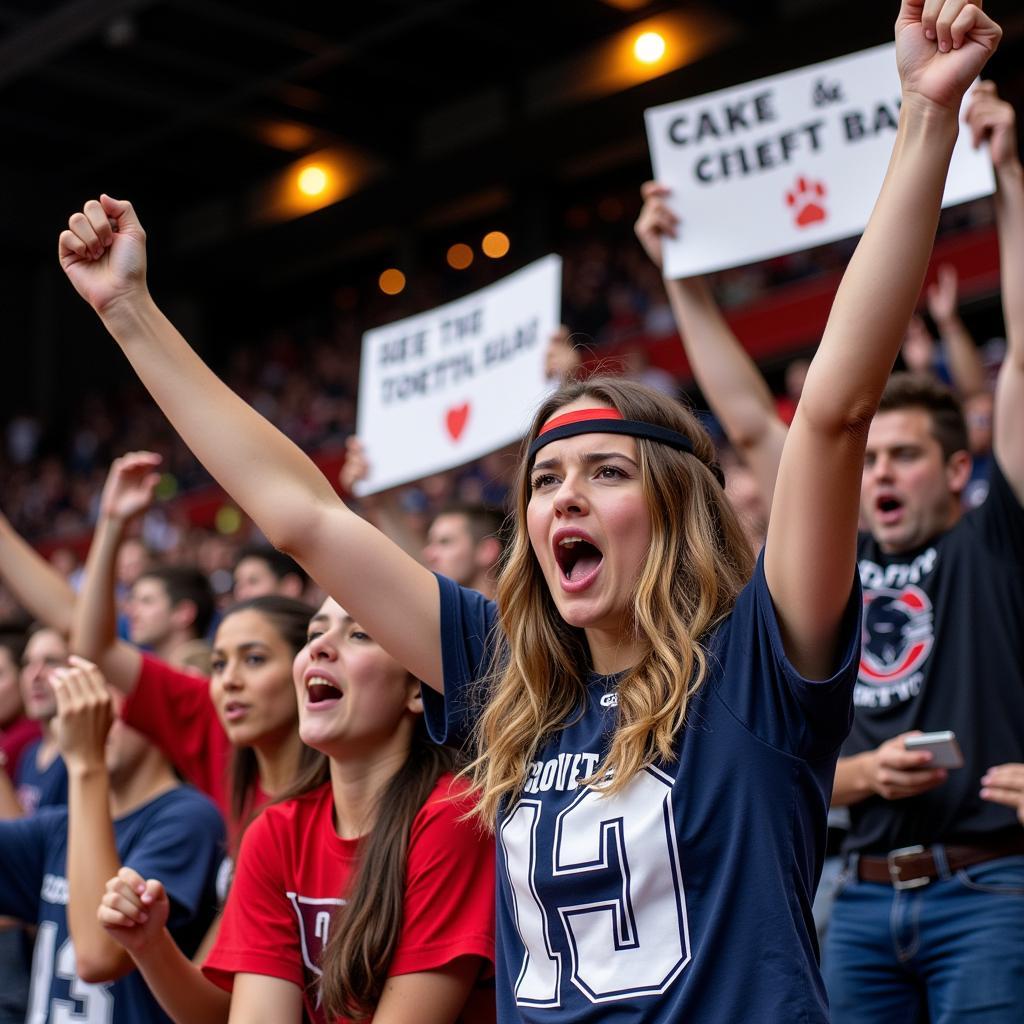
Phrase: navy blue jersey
pixel 177 838
pixel 36 789
pixel 686 897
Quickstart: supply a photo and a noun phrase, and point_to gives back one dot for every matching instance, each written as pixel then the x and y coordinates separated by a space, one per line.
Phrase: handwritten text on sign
pixel 787 162
pixel 447 386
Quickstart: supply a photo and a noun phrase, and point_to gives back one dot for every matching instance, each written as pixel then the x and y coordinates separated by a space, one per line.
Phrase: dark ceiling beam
pixel 225 106
pixel 44 38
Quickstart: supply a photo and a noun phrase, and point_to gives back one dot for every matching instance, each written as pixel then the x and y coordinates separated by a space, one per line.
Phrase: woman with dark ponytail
pixel 364 891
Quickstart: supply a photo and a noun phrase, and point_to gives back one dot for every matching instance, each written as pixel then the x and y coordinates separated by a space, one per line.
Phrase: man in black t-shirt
pixel 928 924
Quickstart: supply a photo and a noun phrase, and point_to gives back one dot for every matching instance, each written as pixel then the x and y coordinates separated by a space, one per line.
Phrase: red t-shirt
pixel 172 707
pixel 14 738
pixel 292 873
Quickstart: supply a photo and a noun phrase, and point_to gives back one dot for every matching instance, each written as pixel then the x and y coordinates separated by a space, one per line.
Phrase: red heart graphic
pixel 455 420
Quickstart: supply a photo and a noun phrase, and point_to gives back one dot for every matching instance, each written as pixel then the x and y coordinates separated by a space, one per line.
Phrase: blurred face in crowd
pixel 132 561
pixel 910 491
pixel 45 651
pixel 251 680
pixel 451 549
pixel 253 577
pixel 355 701
pixel 10 689
pixel 978 417
pixel 126 749
pixel 150 614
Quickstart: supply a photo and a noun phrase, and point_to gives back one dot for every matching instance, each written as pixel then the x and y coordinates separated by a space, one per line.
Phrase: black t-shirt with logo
pixel 943 648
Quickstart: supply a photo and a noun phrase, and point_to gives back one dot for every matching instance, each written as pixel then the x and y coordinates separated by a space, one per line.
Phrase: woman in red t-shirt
pixel 337 909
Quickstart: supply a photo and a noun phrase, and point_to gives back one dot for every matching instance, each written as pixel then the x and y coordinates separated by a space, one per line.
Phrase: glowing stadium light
pixel 391 281
pixel 312 180
pixel 459 256
pixel 649 47
pixel 495 244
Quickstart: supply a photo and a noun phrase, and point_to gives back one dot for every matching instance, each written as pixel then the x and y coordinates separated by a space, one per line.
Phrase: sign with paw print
pixel 449 385
pixel 788 162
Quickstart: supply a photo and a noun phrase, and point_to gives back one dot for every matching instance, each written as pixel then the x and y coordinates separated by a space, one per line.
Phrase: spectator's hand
pixel 918 349
pixel 561 360
pixel 656 221
pixel 84 714
pixel 943 297
pixel 1004 784
pixel 133 910
pixel 993 120
pixel 941 46
pixel 103 252
pixel 896 773
pixel 356 467
pixel 131 484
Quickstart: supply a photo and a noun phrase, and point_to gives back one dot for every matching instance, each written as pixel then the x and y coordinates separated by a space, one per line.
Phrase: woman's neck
pixel 357 783
pixel 277 761
pixel 612 652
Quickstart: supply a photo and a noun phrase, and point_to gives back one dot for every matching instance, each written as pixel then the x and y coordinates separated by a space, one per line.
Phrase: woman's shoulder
pixel 293 812
pixel 450 801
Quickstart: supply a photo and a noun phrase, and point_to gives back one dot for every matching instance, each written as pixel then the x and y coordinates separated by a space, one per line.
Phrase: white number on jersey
pixel 620 948
pixel 96 1001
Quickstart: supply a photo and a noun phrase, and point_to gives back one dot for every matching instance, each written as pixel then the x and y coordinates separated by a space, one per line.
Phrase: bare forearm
pixel 883 280
pixel 92 859
pixel 37 585
pixel 965 366
pixel 729 378
pixel 851 782
pixel 9 805
pixel 1010 226
pixel 262 470
pixel 180 986
pixel 95 623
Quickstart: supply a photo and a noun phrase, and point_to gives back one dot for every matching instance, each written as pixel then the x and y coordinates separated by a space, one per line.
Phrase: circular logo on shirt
pixel 897 635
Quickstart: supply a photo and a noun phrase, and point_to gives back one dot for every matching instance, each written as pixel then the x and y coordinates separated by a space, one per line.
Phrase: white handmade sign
pixel 787 162
pixel 450 385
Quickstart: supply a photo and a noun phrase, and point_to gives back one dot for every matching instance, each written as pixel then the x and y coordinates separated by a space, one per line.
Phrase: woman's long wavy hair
pixel 698 561
pixel 290 618
pixel 365 929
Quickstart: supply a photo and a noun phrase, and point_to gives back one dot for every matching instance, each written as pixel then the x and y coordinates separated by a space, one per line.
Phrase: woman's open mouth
pixel 579 561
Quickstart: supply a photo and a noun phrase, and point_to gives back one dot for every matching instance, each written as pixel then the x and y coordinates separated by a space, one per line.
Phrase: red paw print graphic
pixel 806 200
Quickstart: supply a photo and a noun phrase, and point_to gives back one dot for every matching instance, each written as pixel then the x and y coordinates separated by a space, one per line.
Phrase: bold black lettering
pixel 677 132
pixel 706 126
pixel 734 116
pixel 762 107
pixel 701 170
pixel 853 126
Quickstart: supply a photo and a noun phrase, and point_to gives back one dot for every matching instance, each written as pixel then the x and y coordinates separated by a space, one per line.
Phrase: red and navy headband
pixel 611 421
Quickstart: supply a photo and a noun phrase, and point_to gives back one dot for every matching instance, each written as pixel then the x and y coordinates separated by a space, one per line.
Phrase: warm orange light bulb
pixel 391 281
pixel 495 244
pixel 312 180
pixel 459 256
pixel 649 47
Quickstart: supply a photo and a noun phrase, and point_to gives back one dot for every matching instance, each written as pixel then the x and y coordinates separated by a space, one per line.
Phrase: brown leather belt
pixel 914 866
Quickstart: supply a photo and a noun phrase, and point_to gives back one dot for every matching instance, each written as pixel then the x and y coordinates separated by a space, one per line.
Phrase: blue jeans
pixel 950 952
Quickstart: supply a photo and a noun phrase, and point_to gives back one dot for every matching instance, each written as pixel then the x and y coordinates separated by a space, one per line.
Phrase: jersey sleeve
pixel 172 708
pixel 22 861
pixel 450 885
pixel 185 861
pixel 762 688
pixel 259 932
pixel 999 520
pixel 468 624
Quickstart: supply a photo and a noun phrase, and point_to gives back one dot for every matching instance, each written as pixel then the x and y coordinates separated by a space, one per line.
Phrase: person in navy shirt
pixel 697 713
pixel 56 862
pixel 41 779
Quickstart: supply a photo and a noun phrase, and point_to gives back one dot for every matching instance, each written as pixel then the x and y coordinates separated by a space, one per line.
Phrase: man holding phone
pixel 927 924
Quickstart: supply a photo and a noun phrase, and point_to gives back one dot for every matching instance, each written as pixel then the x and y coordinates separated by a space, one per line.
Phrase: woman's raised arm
pixel 810 553
pixel 103 252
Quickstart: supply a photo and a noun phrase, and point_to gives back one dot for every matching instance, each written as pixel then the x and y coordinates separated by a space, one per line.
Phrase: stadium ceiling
pixel 196 107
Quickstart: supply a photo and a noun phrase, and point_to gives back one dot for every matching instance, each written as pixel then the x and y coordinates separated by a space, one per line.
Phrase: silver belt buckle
pixel 895 871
